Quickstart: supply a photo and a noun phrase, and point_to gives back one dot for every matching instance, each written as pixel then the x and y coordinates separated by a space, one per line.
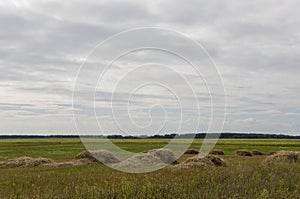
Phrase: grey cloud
pixel 255 45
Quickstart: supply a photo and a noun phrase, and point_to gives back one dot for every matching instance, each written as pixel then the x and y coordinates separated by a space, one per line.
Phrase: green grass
pixel 244 177
pixel 63 149
pixel 59 149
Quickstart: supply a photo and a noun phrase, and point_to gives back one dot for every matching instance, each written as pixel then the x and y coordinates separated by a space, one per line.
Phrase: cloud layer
pixel 255 45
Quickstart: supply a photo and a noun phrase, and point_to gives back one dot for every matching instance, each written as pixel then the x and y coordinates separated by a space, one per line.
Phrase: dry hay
pixel 99 156
pixel 216 152
pixel 25 162
pixel 218 162
pixel 199 162
pixel 282 157
pixel 140 160
pixel 256 152
pixel 165 155
pixel 191 151
pixel 77 162
pixel 153 158
pixel 191 165
pixel 242 152
pixel 272 153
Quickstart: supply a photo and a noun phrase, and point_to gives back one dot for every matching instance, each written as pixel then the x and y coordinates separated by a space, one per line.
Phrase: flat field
pixel 243 177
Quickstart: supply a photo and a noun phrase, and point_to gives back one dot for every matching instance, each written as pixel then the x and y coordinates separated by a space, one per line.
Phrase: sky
pixel 51 55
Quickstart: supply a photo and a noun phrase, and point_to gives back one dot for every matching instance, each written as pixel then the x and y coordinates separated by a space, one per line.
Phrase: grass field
pixel 62 149
pixel 244 177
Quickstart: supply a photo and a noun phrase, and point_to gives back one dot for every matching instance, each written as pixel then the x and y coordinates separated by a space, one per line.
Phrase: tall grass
pixel 242 178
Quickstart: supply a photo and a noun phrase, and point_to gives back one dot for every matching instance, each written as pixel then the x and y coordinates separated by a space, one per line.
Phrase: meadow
pixel 243 177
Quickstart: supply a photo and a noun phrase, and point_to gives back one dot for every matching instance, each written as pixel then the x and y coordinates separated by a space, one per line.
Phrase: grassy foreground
pixel 244 177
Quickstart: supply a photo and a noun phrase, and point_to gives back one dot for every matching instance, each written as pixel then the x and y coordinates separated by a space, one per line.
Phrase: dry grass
pixel 100 156
pixel 218 162
pixel 25 162
pixel 198 162
pixel 73 163
pixel 151 158
pixel 243 152
pixel 282 157
pixel 216 152
pixel 165 155
pixel 141 160
pixel 84 158
pixel 256 152
pixel 191 151
pixel 271 152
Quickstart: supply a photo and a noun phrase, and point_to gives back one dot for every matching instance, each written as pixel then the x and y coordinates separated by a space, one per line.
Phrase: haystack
pixel 99 156
pixel 198 162
pixel 151 158
pixel 242 152
pixel 271 152
pixel 256 152
pixel 191 165
pixel 218 162
pixel 25 162
pixel 282 157
pixel 141 160
pixel 216 152
pixel 165 155
pixel 191 151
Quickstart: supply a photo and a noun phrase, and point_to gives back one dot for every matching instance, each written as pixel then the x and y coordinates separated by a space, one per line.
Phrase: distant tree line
pixel 166 136
pixel 226 135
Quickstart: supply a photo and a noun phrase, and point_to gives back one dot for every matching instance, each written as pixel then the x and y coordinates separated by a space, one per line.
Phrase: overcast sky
pixel 254 44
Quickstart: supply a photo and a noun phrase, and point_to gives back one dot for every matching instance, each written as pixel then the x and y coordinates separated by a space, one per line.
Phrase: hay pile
pixel 165 155
pixel 216 152
pixel 242 152
pixel 72 163
pixel 282 157
pixel 25 162
pixel 99 156
pixel 153 158
pixel 256 152
pixel 191 151
pixel 218 162
pixel 199 162
pixel 272 153
pixel 142 160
